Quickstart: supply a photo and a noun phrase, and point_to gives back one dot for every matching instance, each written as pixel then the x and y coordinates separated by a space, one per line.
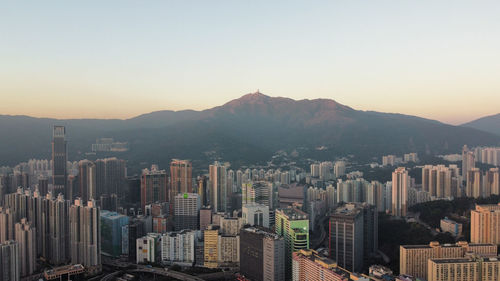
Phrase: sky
pixel 119 59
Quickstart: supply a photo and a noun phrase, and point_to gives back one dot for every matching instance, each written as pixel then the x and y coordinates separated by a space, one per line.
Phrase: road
pixel 163 272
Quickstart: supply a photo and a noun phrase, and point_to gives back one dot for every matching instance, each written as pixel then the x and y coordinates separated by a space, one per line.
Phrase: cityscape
pixel 249 141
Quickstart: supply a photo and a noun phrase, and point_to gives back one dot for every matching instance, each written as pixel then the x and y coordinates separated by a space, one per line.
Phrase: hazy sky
pixel 117 59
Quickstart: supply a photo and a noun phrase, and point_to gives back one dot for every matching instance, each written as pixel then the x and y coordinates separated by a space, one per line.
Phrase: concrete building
pixel 87 188
pixel 10 266
pixel 181 177
pixel 339 169
pixel 228 250
pixel 441 181
pixel 85 235
pixel 474 183
pixel 492 181
pixel 413 259
pixel 255 215
pixel 153 186
pixel 485 224
pixel 293 225
pixel 400 185
pixel 451 226
pixel 468 161
pixel 470 268
pixel 179 247
pixel 111 232
pixel 26 239
pixel 311 265
pixel 219 191
pixel 205 217
pixel 262 254
pixel 211 246
pixel 187 208
pixel 353 234
pixel 148 248
pixel 111 176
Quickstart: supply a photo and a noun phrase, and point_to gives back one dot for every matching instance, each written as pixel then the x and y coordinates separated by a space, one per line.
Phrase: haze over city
pixel 422 58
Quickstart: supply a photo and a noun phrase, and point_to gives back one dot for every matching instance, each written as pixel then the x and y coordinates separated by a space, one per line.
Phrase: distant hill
pixel 490 124
pixel 245 130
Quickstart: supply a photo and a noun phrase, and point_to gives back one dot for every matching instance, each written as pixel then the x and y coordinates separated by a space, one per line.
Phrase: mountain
pixel 245 130
pixel 490 124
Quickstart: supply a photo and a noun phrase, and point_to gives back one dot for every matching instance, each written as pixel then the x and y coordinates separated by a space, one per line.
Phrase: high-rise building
pixel 413 259
pixel 179 247
pixel 255 214
pixel 315 170
pixel 474 183
pixel 85 235
pixel 262 254
pixel 111 176
pixel 187 208
pixel 26 239
pixel 229 250
pixel 43 185
pixel 485 224
pixel 441 181
pixel 353 234
pixel 148 248
pixel 293 225
pixel 87 180
pixel 203 190
pixel 181 177
pixel 59 159
pixel 470 268
pixel 205 218
pixel 311 265
pixel 8 219
pixel 211 246
pixel 135 231
pixel 218 187
pixel 339 169
pixel 468 161
pixel 492 181
pixel 111 232
pixel 58 241
pixel 400 185
pixel 10 267
pixel 153 186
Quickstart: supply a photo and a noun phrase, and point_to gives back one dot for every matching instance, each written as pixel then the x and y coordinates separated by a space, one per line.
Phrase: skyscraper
pixel 26 239
pixel 218 187
pixel 474 184
pixel 485 224
pixel 262 254
pixel 187 207
pixel 468 161
pixel 293 225
pixel 111 232
pixel 181 177
pixel 59 159
pixel 110 176
pixel 153 186
pixel 58 242
pixel 85 235
pixel 87 180
pixel 10 267
pixel 400 185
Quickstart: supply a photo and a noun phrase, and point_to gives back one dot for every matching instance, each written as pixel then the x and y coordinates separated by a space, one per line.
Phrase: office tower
pixel 111 232
pixel 58 240
pixel 255 215
pixel 148 248
pixel 311 265
pixel 43 185
pixel 111 176
pixel 468 161
pixel 179 247
pixel 293 225
pixel 485 224
pixel 211 246
pixel 474 184
pixel 187 207
pixel 450 226
pixel 315 170
pixel 26 239
pixel 8 219
pixel 85 235
pixel 353 234
pixel 400 185
pixel 492 181
pixel 10 267
pixel 205 218
pixel 229 250
pixel 87 180
pixel 135 231
pixel 261 254
pixel 59 159
pixel 153 186
pixel 181 177
pixel 203 190
pixel 218 187
pixel 413 259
